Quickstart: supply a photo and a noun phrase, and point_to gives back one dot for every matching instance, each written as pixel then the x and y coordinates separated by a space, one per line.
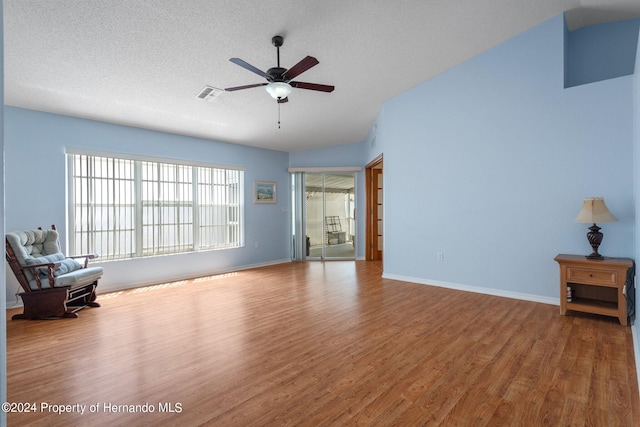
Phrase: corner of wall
pixel 635 326
pixel 566 51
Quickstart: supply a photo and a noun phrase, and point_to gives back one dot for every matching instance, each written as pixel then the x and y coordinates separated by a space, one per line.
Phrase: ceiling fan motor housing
pixel 276 73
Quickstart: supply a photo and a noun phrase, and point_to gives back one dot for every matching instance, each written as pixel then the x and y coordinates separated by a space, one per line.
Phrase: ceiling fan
pixel 280 80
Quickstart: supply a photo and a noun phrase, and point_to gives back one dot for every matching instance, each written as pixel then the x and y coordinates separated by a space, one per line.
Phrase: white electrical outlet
pixel 257 245
pixel 441 256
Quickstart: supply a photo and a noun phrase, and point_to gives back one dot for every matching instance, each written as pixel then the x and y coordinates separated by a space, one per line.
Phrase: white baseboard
pixel 476 289
pixel 133 285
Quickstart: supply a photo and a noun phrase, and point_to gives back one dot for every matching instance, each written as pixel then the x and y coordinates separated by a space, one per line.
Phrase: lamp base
pixel 595 238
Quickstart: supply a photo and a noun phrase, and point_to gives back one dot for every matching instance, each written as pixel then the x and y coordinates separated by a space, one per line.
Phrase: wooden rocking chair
pixel 54 285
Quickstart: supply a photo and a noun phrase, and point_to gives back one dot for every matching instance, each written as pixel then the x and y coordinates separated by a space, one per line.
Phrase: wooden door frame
pixel 370 226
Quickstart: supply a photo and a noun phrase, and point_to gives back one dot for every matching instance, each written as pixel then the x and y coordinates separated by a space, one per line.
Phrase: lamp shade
pixel 594 210
pixel 278 90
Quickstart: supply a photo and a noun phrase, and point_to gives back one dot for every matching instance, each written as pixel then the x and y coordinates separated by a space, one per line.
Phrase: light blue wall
pixel 490 161
pixel 341 155
pixel 36 182
pixel 601 52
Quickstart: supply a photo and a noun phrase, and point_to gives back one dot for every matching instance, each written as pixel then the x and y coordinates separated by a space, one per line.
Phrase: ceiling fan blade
pixel 250 67
pixel 300 68
pixel 312 86
pixel 231 89
pixel 283 100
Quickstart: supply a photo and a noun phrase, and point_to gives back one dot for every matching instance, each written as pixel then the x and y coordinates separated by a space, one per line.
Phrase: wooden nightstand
pixel 598 286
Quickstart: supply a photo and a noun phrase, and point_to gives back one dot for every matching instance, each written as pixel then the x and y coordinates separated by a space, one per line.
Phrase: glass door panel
pixel 330 215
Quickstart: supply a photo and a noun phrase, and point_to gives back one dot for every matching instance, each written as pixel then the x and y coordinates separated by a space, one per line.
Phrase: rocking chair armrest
pixel 90 256
pixel 51 267
pixel 86 257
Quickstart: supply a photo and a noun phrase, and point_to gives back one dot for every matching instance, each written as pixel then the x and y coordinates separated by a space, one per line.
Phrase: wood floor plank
pixel 312 344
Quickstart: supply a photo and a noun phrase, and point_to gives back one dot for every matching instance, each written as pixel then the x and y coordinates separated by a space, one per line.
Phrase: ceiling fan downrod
pixel 277 42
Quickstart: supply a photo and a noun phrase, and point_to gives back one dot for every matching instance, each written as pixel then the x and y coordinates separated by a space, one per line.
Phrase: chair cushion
pixel 79 277
pixel 33 244
pixel 44 259
pixel 67 265
pixel 75 278
pixel 33 247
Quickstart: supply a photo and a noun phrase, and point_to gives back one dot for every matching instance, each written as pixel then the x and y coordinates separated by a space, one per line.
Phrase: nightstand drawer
pixel 590 275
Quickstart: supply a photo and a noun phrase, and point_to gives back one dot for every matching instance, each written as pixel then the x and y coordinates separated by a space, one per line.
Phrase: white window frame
pixel 156 206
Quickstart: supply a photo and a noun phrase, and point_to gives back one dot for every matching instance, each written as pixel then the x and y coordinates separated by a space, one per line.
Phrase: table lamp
pixel 594 210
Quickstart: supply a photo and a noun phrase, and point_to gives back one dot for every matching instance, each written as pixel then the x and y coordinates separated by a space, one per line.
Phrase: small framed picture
pixel 264 192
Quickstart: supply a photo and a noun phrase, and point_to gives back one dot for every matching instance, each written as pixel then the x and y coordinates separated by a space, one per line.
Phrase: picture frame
pixel 264 192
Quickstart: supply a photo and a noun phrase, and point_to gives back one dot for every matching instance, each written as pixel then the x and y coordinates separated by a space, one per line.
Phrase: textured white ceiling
pixel 142 62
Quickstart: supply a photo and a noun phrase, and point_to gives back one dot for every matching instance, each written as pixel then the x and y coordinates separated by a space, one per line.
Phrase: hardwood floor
pixel 320 344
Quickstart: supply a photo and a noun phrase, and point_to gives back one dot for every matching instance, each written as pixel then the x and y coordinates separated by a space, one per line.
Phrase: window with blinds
pixel 126 208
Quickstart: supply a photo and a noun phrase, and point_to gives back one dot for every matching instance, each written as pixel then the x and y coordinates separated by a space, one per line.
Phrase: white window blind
pixel 127 208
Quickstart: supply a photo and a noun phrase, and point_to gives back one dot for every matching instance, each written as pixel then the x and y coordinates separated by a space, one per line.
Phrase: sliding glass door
pixel 325 215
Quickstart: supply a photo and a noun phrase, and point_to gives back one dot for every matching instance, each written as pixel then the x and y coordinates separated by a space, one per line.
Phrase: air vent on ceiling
pixel 209 93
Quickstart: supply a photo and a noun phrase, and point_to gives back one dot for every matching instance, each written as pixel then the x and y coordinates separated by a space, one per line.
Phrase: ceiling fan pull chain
pixel 278 115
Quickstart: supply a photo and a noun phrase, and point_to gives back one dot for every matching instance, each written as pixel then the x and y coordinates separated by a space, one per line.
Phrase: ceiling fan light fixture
pixel 278 90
